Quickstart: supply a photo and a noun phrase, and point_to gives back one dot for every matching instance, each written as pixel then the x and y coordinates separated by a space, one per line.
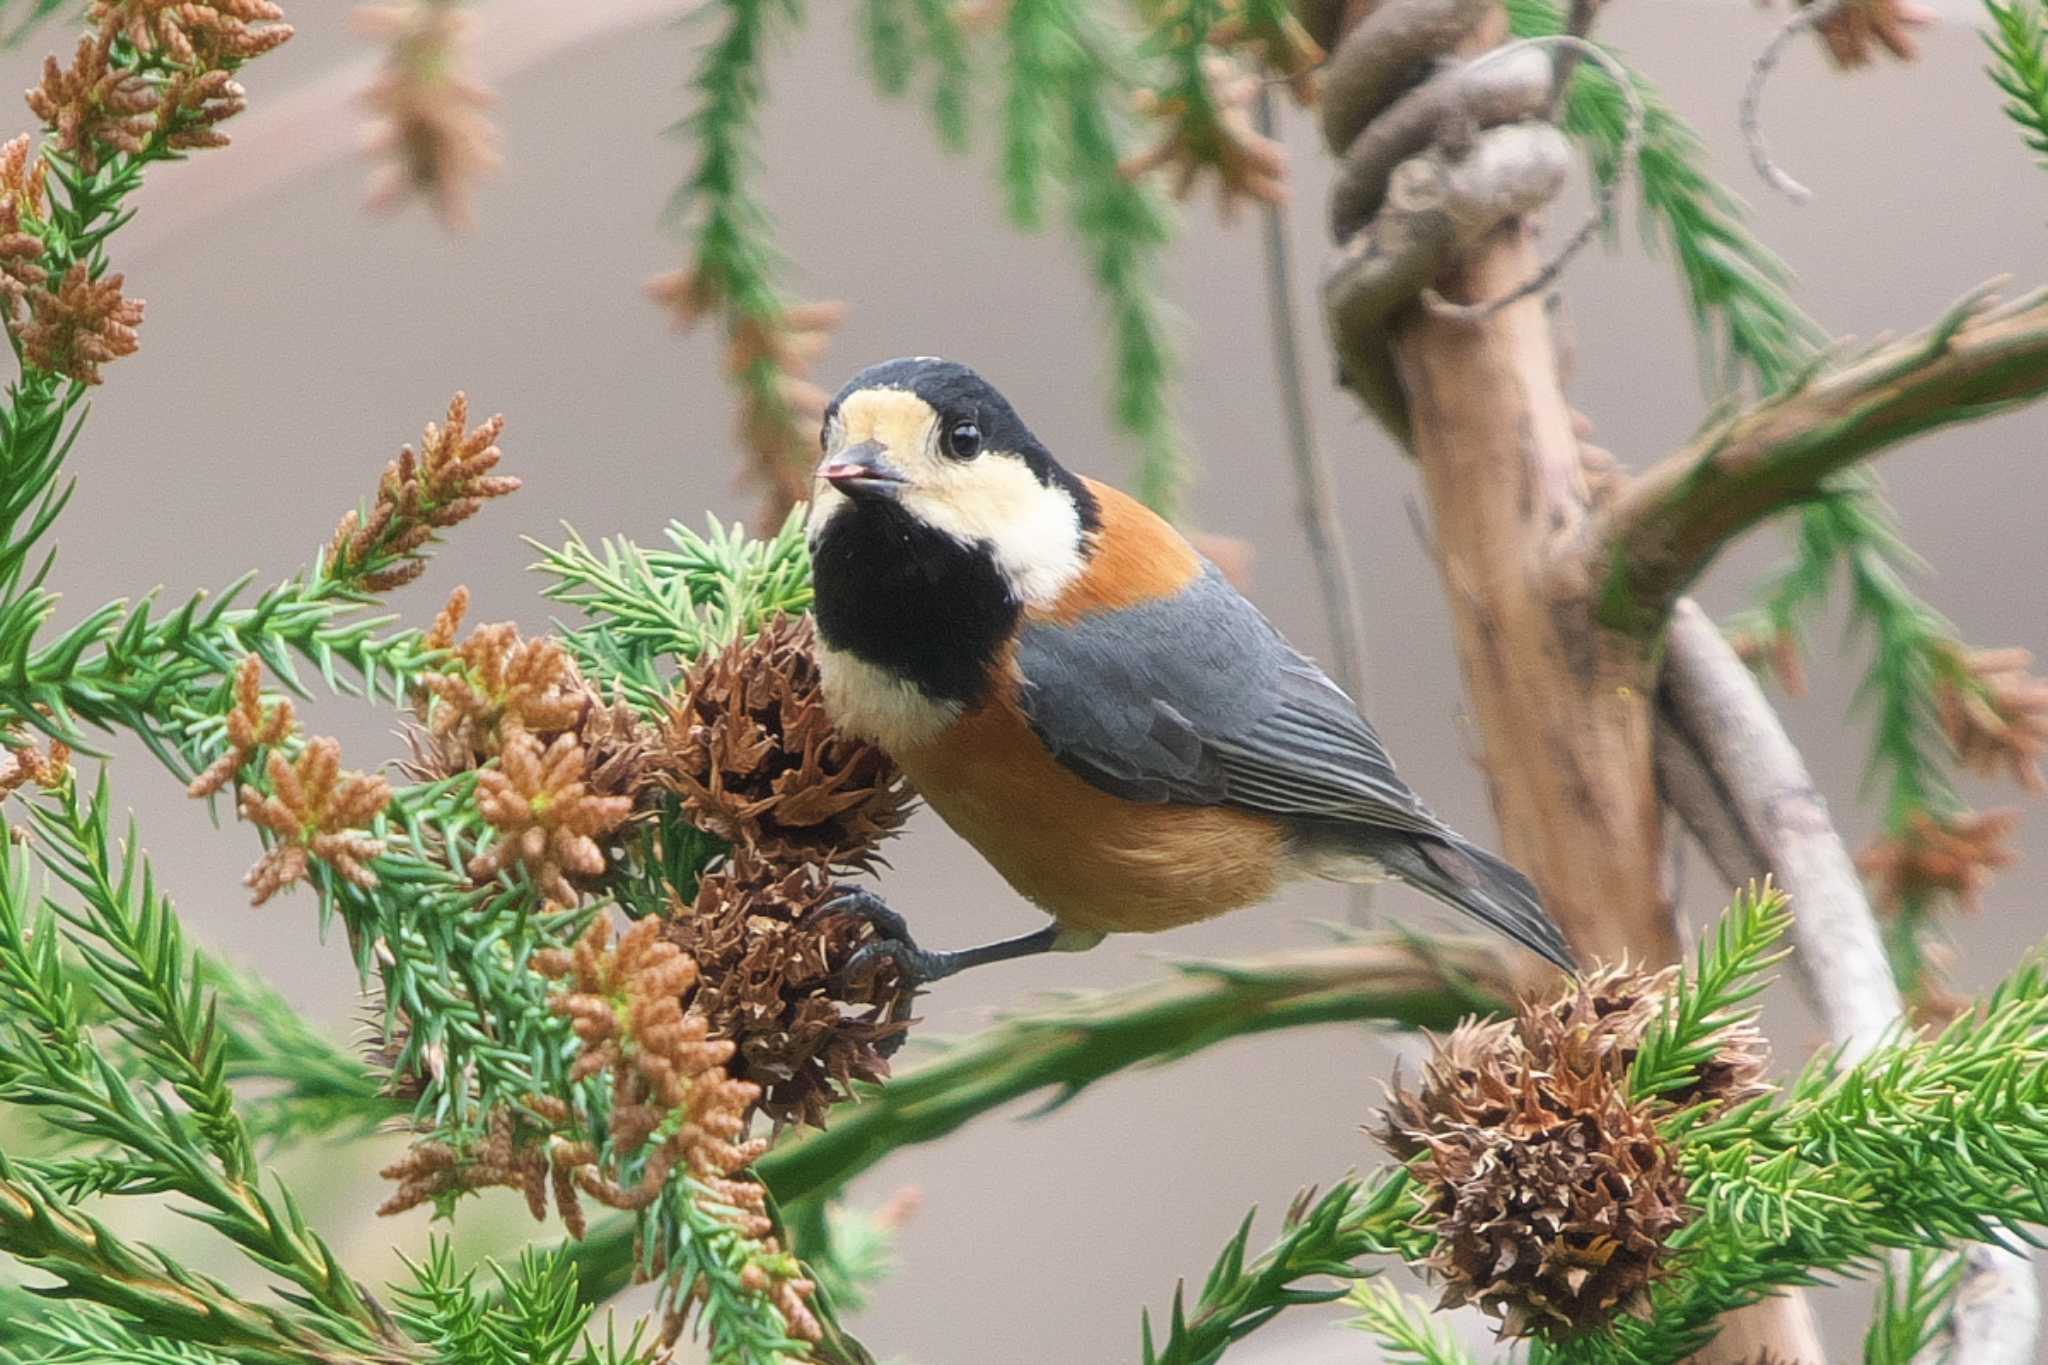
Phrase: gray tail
pixel 1468 878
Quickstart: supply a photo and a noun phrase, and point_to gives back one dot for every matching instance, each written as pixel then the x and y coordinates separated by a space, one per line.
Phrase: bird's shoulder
pixel 1134 556
pixel 1163 683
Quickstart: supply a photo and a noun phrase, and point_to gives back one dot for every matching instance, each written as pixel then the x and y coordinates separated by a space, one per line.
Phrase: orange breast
pixel 1090 860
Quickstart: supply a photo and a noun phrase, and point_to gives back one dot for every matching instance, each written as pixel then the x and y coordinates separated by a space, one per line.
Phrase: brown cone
pixel 771 979
pixel 748 748
pixel 1552 1193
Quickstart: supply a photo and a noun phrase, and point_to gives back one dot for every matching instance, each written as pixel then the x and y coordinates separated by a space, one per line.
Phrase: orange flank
pixel 1091 860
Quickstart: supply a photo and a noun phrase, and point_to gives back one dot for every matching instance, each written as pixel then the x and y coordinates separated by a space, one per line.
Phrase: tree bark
pixel 1563 705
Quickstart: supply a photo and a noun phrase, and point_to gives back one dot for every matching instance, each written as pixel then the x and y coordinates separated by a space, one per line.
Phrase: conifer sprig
pixel 132 946
pixel 651 612
pixel 534 1317
pixel 2018 39
pixel 1321 1240
pixel 1923 1144
pixel 1912 1298
pixel 1714 994
pixel 165 1302
pixel 1402 1326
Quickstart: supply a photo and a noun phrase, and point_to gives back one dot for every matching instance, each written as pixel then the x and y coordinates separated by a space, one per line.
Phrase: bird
pixel 1081 696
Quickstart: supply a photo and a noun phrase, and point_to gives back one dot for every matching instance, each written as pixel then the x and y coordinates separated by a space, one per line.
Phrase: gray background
pixel 292 344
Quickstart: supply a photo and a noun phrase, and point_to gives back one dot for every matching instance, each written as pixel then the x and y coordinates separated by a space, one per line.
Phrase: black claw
pixel 916 966
pixel 863 904
pixel 892 941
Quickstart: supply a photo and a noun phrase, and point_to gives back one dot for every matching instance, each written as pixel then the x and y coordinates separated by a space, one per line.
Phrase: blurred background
pixel 293 342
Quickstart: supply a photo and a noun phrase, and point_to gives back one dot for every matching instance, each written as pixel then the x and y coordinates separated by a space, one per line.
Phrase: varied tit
pixel 1082 697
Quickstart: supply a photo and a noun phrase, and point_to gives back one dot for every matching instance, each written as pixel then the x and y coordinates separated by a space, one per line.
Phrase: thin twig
pixel 1812 16
pixel 1315 494
pixel 1578 25
pixel 1771 812
pixel 1604 196
pixel 1726 765
pixel 1315 497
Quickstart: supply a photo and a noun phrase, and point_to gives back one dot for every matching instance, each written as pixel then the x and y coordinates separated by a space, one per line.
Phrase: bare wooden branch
pixel 1665 526
pixel 1996 1314
pixel 1695 795
pixel 1562 706
pixel 1725 763
pixel 1760 812
pixel 1437 207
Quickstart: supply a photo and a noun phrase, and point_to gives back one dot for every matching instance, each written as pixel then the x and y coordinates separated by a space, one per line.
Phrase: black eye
pixel 963 440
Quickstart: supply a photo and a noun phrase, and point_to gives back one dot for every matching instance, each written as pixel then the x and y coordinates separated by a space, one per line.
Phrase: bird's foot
pixel 920 967
pixel 892 941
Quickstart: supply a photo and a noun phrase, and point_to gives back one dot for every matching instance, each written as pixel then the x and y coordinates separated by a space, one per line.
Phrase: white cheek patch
pixel 875 703
pixel 1033 531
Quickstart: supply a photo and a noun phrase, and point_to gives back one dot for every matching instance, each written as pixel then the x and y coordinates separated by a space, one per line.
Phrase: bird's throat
pixel 927 612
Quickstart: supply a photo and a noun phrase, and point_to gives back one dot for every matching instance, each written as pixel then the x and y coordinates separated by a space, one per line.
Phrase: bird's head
pixel 925 447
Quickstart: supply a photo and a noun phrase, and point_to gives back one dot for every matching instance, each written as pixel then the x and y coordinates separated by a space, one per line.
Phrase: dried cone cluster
pixel 94 107
pixel 749 749
pixel 209 34
pixel 251 725
pixel 770 359
pixel 21 762
pixel 561 768
pixel 668 1076
pixel 80 325
pixel 313 810
pixel 499 683
pixel 1215 134
pixel 1995 712
pixel 1552 1194
pixel 173 98
pixel 548 819
pixel 446 482
pixel 773 981
pixel 1948 855
pixel 751 755
pixel 22 207
pixel 430 114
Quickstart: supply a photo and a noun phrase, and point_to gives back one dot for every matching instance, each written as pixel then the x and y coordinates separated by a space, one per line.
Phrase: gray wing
pixel 1196 699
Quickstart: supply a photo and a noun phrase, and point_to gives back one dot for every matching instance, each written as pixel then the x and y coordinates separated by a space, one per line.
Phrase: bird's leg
pixel 922 966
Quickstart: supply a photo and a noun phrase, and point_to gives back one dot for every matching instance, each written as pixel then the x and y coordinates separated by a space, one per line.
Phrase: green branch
pixel 164 1299
pixel 1666 526
pixel 146 978
pixel 1404 982
pixel 1321 1242
pixel 1407 1330
pixel 1069 1047
pixel 1926 1143
pixel 2019 66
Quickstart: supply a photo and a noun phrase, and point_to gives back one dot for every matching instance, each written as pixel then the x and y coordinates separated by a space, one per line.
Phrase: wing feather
pixel 1196 699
